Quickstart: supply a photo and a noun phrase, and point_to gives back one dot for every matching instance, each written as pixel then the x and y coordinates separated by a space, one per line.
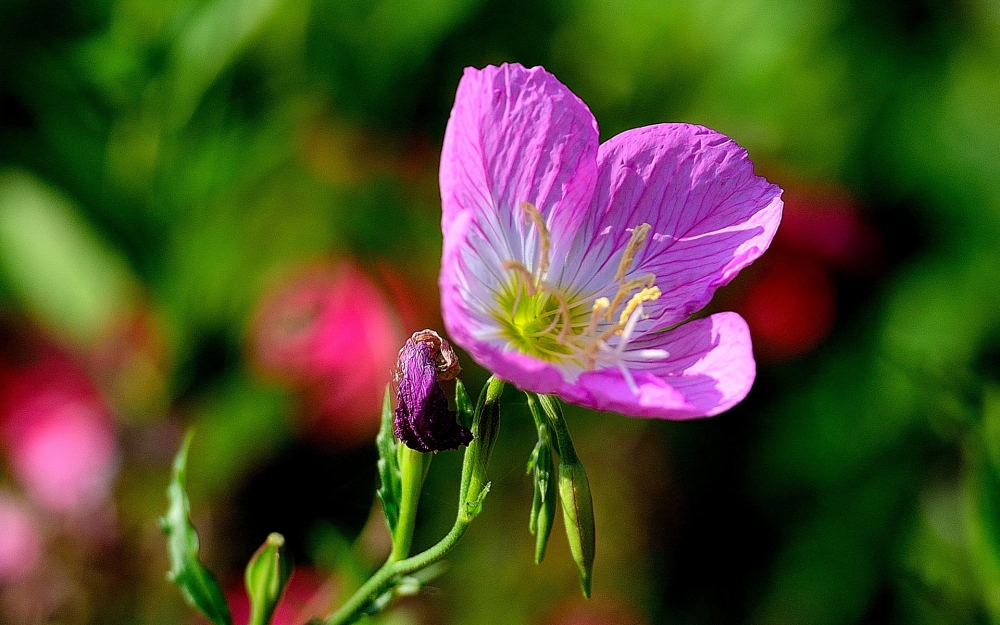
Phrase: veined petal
pixel 710 216
pixel 710 368
pixel 517 136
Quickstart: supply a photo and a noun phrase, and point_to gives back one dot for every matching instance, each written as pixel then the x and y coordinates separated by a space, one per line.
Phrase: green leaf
pixel 463 404
pixel 266 576
pixel 197 584
pixel 390 490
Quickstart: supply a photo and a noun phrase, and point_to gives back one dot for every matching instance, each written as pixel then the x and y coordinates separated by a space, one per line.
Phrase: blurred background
pixel 225 214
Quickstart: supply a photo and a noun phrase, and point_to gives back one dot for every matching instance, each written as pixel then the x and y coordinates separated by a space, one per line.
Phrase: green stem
pixel 472 490
pixel 413 468
pixel 386 577
pixel 557 423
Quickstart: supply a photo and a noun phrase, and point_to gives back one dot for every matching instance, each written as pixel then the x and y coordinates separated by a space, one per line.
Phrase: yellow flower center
pixel 557 324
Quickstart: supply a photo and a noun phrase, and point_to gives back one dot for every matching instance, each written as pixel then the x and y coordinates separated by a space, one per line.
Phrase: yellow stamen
pixel 544 240
pixel 626 288
pixel 646 295
pixel 638 240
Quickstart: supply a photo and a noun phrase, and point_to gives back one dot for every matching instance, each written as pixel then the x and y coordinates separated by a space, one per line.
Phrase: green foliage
pixel 390 478
pixel 543 480
pixel 197 584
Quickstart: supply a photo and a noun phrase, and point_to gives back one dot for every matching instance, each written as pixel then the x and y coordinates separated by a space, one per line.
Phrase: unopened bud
pixel 266 576
pixel 423 420
pixel 486 428
pixel 578 517
pixel 543 503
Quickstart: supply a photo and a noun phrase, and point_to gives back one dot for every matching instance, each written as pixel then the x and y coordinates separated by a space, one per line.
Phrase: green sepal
pixel 574 494
pixel 266 576
pixel 197 584
pixel 390 490
pixel 463 405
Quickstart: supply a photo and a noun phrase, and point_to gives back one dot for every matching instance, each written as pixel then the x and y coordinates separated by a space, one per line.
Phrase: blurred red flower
pixel 791 302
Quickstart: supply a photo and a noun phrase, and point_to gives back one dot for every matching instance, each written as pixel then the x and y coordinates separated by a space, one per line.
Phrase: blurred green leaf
pixel 56 264
pixel 217 32
pixel 196 583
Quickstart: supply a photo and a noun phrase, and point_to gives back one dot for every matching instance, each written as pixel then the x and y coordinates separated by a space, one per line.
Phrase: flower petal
pixel 517 135
pixel 710 368
pixel 710 215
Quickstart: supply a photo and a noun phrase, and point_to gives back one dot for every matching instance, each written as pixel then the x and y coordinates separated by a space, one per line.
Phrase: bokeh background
pixel 224 213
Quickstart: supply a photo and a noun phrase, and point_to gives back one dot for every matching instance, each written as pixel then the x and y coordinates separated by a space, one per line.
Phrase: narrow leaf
pixel 390 478
pixel 463 405
pixel 197 584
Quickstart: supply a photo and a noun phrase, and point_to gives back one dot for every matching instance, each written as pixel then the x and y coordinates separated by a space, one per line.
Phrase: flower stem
pixel 413 467
pixel 386 577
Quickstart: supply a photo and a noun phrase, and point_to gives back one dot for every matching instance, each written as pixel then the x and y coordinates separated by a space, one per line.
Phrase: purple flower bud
pixel 422 419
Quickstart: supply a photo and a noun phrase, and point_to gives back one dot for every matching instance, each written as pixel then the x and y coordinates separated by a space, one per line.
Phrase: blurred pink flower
pixel 790 307
pixel 331 333
pixel 58 434
pixel 20 542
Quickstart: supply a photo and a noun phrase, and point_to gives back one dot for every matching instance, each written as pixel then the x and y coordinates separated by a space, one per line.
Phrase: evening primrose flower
pixel 568 265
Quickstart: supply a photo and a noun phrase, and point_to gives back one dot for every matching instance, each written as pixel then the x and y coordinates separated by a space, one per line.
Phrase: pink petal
pixel 515 135
pixel 710 215
pixel 709 370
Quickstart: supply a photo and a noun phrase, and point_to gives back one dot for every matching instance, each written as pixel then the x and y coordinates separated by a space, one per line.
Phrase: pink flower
pixel 332 333
pixel 58 433
pixel 567 265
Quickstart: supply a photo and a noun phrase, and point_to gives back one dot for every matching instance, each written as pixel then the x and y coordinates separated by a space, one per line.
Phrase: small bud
pixel 423 421
pixel 486 428
pixel 266 576
pixel 543 504
pixel 578 517
pixel 574 492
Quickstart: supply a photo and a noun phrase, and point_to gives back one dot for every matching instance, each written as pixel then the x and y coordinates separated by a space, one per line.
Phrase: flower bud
pixel 578 517
pixel 266 576
pixel 574 492
pixel 486 428
pixel 543 503
pixel 423 421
